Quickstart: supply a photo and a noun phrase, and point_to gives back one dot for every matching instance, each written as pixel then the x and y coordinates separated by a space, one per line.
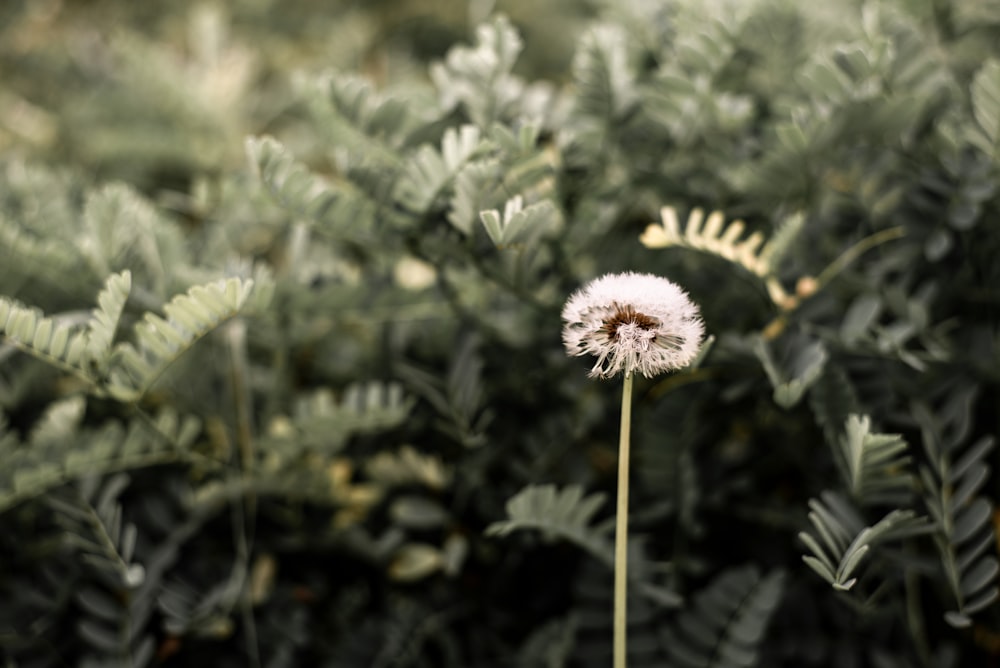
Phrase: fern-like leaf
pixel 965 534
pixel 28 330
pixel 60 422
pixel 800 366
pixel 604 79
pixel 104 321
pixel 460 399
pixel 338 208
pixel 355 118
pixel 408 467
pixel 206 613
pixel 84 352
pixel 874 465
pixel 429 171
pixel 712 235
pixel 478 78
pixel 680 96
pixel 115 607
pixel 985 92
pixel 840 542
pixel 565 514
pixel 727 622
pixel 869 325
pixel 518 224
pixel 52 458
pixel 160 341
pixel 475 189
pixel 322 423
pixel 122 229
pixel 94 526
pixel 484 183
pixel 106 625
pixel 28 257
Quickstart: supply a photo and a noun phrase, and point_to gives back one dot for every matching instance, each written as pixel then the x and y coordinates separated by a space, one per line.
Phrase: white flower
pixel 632 323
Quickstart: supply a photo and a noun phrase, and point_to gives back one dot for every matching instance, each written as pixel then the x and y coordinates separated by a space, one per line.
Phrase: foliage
pixel 281 380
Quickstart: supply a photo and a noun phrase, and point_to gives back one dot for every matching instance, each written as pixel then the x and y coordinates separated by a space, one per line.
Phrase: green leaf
pixel 429 172
pixel 838 548
pixel 475 186
pixel 860 318
pixel 603 76
pixel 565 514
pixel 754 252
pixel 518 224
pixel 727 621
pixel 159 342
pixel 104 321
pixel 45 339
pixel 479 78
pixel 964 521
pixel 59 423
pixel 324 423
pixel 985 93
pixel 352 115
pixel 875 466
pixel 799 368
pixel 338 208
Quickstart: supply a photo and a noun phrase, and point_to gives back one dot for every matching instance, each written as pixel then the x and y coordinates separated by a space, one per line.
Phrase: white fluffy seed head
pixel 632 323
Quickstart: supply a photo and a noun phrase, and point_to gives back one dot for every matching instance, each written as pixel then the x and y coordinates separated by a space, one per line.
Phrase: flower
pixel 632 323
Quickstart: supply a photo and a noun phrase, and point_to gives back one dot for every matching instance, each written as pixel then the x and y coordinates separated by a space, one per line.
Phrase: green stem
pixel 244 509
pixel 621 530
pixel 856 251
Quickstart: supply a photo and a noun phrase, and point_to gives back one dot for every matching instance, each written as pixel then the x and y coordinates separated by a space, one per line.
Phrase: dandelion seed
pixel 632 323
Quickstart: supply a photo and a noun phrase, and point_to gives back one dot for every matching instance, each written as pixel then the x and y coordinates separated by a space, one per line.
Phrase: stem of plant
pixel 621 526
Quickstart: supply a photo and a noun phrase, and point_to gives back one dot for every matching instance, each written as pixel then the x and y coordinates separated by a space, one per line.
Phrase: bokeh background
pixel 323 415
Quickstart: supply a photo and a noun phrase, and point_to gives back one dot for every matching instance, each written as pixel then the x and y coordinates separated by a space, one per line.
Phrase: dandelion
pixel 633 323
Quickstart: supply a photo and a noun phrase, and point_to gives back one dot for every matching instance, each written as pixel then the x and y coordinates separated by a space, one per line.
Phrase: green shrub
pixel 316 411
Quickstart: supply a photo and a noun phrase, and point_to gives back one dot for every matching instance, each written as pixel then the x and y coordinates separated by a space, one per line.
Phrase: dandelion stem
pixel 621 530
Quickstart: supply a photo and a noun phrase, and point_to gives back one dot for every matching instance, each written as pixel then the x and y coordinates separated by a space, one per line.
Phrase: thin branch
pixel 244 508
pixel 856 251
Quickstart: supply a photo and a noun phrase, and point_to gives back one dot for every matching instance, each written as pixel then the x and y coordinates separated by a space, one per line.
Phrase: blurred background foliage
pixel 153 94
pixel 273 392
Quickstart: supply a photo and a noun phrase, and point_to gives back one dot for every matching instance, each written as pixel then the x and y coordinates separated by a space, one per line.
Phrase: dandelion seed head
pixel 632 323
